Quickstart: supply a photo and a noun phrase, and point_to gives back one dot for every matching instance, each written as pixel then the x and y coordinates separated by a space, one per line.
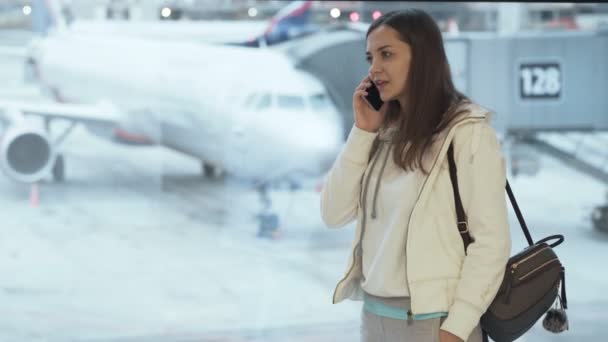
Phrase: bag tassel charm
pixel 556 320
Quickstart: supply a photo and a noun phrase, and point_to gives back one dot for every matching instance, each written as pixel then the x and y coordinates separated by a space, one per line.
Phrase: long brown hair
pixel 431 94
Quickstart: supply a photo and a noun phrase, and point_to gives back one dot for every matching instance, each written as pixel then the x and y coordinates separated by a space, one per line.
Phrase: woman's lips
pixel 380 84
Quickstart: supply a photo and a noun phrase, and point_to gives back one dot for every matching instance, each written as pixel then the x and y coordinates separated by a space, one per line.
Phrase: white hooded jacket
pixel 440 278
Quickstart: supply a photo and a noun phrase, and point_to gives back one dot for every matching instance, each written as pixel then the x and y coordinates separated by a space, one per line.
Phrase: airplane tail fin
pixel 295 13
pixel 291 21
pixel 47 15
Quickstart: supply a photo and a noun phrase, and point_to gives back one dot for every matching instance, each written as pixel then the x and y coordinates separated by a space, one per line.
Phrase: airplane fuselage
pixel 189 97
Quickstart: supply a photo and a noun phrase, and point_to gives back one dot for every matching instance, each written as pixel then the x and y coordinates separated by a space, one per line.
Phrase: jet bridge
pixel 534 82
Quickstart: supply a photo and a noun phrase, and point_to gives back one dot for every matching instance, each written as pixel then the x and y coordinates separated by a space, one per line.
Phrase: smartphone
pixel 373 97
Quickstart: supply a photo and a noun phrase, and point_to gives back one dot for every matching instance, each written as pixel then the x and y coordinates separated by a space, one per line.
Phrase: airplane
pixel 599 216
pixel 290 22
pixel 245 111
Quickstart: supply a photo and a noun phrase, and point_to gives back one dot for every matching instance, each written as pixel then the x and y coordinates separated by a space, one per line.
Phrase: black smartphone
pixel 373 97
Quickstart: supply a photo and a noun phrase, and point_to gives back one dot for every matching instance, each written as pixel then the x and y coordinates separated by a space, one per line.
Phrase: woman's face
pixel 389 59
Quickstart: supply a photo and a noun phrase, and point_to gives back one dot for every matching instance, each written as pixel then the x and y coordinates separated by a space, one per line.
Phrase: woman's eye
pixel 385 54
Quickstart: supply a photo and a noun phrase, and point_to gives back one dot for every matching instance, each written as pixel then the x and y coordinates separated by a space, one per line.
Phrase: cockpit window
pixel 258 101
pixel 291 102
pixel 250 100
pixel 319 102
pixel 264 102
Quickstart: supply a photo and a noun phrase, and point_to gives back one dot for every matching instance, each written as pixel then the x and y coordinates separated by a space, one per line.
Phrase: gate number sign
pixel 540 81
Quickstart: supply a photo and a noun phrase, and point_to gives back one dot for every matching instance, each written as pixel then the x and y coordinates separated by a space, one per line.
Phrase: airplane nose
pixel 326 163
pixel 328 158
pixel 333 144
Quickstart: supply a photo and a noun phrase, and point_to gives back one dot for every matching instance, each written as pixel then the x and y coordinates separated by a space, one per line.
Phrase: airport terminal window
pixel 319 102
pixel 195 214
pixel 291 102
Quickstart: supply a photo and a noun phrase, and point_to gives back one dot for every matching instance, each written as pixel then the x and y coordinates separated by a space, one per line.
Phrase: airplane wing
pixel 101 113
pixel 23 137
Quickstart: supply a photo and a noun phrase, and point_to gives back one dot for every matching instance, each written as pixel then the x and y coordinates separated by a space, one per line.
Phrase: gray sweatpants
pixel 384 329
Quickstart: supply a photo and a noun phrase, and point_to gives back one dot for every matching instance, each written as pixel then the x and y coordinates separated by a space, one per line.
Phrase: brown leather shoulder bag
pixel 530 284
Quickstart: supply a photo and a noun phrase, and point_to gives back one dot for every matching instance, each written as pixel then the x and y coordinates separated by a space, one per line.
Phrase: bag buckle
pixel 466 227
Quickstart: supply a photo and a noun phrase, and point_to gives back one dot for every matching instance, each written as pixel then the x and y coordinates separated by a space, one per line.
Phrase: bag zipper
pixel 537 268
pixel 509 285
pixel 515 264
pixel 512 275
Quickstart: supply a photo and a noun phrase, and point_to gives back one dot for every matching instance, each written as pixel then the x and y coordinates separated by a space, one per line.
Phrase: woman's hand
pixel 366 117
pixel 445 336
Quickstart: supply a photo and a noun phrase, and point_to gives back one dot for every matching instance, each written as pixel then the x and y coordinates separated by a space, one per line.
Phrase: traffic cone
pixel 34 195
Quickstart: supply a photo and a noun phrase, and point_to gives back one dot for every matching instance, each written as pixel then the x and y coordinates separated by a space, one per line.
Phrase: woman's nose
pixel 374 68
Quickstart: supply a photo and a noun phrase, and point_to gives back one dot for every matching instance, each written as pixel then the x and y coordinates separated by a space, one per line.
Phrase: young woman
pixel 408 262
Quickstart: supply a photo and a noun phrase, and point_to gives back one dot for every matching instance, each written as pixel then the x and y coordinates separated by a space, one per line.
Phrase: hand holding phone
pixel 368 106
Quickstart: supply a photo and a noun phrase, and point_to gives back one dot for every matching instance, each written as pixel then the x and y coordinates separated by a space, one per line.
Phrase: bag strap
pixel 463 227
pixel 520 217
pixel 462 221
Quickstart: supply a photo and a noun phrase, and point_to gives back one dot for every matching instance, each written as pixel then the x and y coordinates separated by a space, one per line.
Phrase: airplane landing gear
pixel 599 217
pixel 59 169
pixel 209 170
pixel 268 220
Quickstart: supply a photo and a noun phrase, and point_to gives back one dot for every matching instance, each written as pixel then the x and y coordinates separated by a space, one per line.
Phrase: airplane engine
pixel 26 153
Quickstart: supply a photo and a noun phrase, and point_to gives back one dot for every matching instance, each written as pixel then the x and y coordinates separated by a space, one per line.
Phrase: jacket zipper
pixel 357 250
